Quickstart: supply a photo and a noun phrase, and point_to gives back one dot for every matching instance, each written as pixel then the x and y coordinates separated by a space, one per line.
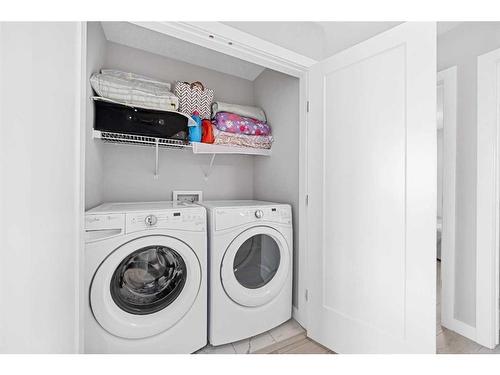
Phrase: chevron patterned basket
pixel 194 97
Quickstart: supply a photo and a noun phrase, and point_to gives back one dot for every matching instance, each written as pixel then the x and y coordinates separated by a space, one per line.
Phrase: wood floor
pixel 299 345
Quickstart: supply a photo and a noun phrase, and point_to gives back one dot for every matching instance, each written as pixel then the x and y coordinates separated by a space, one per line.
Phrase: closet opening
pixel 141 170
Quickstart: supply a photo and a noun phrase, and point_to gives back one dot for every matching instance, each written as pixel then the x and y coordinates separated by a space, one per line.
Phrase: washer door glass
pixel 256 261
pixel 145 286
pixel 148 280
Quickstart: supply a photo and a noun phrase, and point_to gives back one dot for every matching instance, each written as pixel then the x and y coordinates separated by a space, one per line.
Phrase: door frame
pixel 488 199
pixel 448 78
pixel 80 193
pixel 234 42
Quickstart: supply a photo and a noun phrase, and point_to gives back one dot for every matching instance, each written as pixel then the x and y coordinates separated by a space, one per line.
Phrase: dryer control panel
pixel 232 217
pixel 186 219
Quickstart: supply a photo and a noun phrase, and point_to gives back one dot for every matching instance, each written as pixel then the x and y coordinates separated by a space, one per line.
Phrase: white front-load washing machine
pixel 145 278
pixel 250 268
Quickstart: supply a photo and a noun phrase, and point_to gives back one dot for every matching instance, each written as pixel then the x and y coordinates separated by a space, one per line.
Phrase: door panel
pixel 372 190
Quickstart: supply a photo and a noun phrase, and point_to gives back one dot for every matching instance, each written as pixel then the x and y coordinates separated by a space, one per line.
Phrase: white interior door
pixel 372 188
pixel 41 199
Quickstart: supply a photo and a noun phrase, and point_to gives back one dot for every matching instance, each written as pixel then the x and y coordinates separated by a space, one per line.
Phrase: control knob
pixel 150 220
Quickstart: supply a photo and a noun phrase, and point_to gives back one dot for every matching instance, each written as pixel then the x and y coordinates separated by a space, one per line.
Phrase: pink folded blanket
pixel 232 123
pixel 242 140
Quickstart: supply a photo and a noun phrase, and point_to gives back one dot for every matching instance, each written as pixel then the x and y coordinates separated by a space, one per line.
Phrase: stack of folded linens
pixel 134 90
pixel 242 126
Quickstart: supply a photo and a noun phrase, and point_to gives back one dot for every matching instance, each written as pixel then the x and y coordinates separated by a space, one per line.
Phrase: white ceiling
pixel 341 35
pixel 316 40
pixel 160 44
pixel 444 27
pixel 319 40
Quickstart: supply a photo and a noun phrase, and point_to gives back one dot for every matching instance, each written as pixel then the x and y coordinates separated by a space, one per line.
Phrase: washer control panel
pixel 186 219
pixel 232 217
pixel 104 221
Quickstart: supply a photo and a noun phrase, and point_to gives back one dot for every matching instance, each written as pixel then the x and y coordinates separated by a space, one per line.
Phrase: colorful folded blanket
pixel 233 123
pixel 242 140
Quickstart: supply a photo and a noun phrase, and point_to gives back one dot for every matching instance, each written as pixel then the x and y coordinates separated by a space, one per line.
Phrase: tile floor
pixel 290 338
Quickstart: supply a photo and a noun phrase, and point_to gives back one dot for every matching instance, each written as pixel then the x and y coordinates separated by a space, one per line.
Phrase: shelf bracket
pixel 210 167
pixel 157 161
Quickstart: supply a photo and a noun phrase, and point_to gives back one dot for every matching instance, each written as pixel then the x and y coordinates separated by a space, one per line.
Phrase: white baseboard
pixel 299 317
pixel 460 327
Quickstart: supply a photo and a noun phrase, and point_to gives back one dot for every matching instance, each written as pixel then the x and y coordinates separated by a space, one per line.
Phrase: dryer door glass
pixel 148 280
pixel 256 261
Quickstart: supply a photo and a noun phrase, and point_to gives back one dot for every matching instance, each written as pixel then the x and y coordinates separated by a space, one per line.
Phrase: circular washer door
pixel 255 266
pixel 145 286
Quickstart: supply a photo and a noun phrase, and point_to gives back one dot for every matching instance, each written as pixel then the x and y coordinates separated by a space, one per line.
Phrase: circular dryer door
pixel 255 266
pixel 145 286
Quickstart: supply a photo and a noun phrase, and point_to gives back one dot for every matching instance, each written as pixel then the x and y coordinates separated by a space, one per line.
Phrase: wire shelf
pixel 140 140
pixel 196 147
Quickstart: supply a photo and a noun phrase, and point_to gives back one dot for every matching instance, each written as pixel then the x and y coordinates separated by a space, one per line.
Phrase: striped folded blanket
pixel 134 89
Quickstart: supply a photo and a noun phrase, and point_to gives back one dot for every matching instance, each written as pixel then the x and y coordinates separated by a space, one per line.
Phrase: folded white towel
pixel 241 110
pixel 136 77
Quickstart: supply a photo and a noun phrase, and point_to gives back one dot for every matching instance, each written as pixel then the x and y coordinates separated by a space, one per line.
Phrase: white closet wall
pixel 96 53
pixel 276 178
pixel 227 87
pixel 128 171
pixel 461 46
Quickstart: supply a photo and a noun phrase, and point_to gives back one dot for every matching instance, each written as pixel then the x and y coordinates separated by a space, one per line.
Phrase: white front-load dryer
pixel 250 268
pixel 145 278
